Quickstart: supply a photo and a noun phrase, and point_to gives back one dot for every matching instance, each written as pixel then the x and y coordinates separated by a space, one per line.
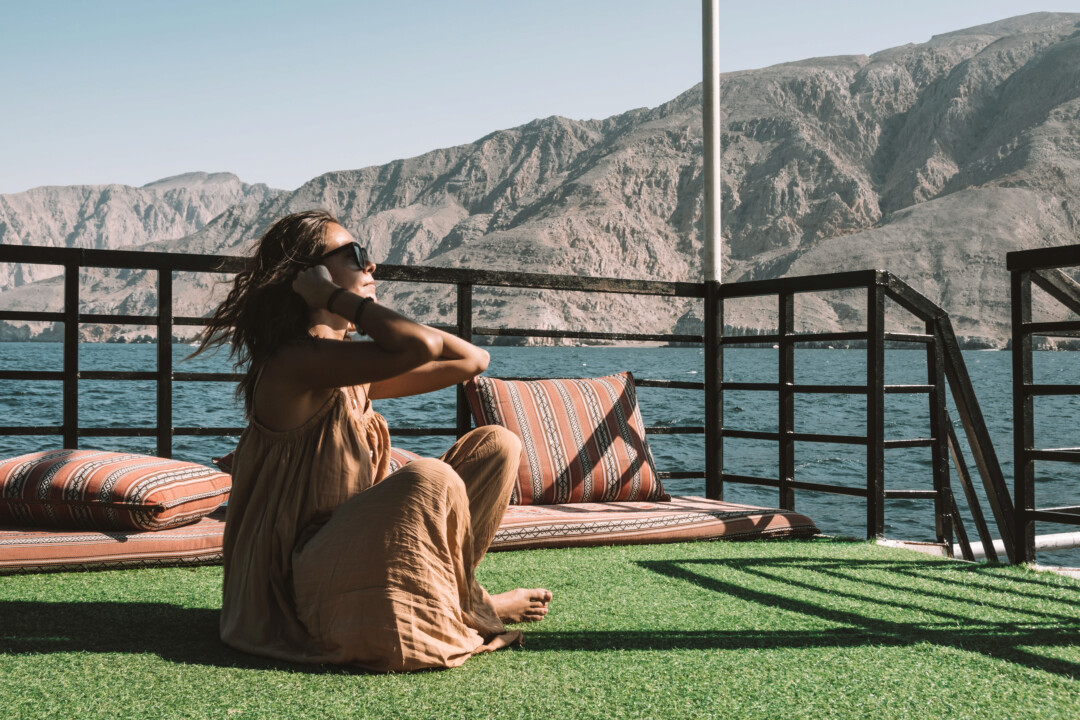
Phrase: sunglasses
pixel 359 254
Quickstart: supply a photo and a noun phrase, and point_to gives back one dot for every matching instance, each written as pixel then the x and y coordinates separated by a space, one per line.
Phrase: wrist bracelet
pixel 333 296
pixel 359 311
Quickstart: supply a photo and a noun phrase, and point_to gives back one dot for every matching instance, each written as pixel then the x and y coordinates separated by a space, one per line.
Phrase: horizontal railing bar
pixel 189 320
pixel 675 430
pixel 671 384
pixel 750 480
pixel 116 375
pixel 750 387
pixel 826 336
pixel 26 375
pixel 201 431
pixel 90 318
pixel 1068 509
pixel 910 494
pixel 1054 454
pixel 749 434
pixel 830 389
pixel 1051 389
pixel 1064 328
pixel 182 262
pixel 31 316
pixel 32 430
pixel 117 432
pixel 770 339
pixel 680 474
pixel 901 389
pixel 908 337
pixel 584 335
pixel 1061 256
pixel 811 389
pixel 826 438
pixel 796 436
pixel 539 281
pixel 1054 517
pixel 121 259
pixel 833 489
pixel 774 338
pixel 910 443
pixel 810 283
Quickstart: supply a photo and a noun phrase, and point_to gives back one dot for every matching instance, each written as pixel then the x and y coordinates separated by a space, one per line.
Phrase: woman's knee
pixel 500 440
pixel 437 475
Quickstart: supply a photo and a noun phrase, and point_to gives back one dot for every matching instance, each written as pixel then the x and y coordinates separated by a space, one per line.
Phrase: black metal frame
pixel 945 366
pixel 1041 268
pixel 943 355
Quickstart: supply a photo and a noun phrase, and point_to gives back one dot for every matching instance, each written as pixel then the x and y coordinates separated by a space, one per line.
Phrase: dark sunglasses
pixel 360 254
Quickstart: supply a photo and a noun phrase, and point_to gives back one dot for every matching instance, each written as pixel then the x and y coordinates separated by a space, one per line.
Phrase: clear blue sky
pixel 123 91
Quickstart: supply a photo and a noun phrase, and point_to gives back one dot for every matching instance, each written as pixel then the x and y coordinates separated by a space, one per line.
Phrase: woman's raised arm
pixel 397 345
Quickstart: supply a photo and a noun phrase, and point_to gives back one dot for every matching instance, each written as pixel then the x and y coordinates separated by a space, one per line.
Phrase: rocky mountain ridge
pixel 929 160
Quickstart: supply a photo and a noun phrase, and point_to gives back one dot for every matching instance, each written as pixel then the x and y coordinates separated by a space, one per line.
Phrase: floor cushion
pixel 583 439
pixel 684 518
pixel 99 490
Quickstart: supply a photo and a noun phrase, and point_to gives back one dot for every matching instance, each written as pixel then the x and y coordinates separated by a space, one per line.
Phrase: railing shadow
pixel 1006 638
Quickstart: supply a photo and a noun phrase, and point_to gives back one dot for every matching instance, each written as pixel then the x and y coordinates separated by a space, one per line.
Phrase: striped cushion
pixel 34 550
pixel 400 458
pixel 583 439
pixel 98 490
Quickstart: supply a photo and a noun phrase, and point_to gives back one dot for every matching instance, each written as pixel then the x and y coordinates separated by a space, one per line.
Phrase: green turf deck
pixel 817 629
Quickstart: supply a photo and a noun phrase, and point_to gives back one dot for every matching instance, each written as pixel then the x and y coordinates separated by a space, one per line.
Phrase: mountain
pixel 930 160
pixel 113 216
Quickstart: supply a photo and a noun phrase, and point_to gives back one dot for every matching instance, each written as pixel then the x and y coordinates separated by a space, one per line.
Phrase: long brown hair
pixel 262 313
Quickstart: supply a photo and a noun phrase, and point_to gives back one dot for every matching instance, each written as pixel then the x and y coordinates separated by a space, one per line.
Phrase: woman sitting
pixel 328 559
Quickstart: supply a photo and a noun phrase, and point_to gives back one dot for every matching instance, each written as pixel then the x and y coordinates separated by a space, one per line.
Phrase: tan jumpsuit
pixel 327 561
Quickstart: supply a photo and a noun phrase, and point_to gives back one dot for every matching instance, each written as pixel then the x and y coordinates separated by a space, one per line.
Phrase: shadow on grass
pixel 915 613
pixel 172 632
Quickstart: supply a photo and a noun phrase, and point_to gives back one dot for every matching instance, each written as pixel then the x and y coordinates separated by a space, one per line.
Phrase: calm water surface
pixel 124 404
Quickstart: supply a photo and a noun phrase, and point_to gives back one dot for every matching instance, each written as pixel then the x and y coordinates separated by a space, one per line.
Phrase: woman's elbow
pixel 421 349
pixel 481 361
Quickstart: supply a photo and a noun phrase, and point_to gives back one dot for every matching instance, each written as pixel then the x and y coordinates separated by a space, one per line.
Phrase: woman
pixel 327 558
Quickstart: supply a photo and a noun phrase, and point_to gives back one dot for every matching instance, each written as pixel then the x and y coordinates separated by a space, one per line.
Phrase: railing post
pixel 786 419
pixel 1023 419
pixel 714 391
pixel 875 412
pixel 464 331
pixel 164 362
pixel 935 376
pixel 71 354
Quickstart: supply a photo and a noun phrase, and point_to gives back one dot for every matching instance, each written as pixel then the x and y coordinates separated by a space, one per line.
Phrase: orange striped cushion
pixel 99 490
pixel 583 439
pixel 400 458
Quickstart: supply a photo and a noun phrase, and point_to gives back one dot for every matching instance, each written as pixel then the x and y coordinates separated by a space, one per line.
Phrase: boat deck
pixel 818 628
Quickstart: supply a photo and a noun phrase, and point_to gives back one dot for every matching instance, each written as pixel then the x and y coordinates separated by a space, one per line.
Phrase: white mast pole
pixel 710 27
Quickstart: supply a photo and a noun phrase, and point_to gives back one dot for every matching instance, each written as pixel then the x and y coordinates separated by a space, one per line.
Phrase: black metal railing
pixel 1041 268
pixel 945 368
pixel 944 362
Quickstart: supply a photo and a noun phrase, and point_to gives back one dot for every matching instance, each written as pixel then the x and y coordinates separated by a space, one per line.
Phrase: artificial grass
pixel 822 629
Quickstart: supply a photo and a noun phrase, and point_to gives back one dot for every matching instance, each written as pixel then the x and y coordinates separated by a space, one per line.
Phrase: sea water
pixel 132 404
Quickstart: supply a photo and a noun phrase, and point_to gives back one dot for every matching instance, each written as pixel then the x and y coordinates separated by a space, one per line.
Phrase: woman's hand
pixel 314 285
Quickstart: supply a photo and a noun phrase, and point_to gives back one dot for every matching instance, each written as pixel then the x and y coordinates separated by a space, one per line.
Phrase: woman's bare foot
pixel 522 605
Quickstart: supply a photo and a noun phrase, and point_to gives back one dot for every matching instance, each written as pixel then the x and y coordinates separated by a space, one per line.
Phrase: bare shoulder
pixel 281 402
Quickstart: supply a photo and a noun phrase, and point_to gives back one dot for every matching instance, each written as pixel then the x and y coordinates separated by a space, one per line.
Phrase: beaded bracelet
pixel 333 296
pixel 359 311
